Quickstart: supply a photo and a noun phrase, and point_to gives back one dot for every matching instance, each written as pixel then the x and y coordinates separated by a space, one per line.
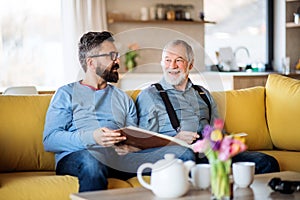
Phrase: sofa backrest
pixel 283 110
pixel 21 131
pixel 133 93
pixel 22 121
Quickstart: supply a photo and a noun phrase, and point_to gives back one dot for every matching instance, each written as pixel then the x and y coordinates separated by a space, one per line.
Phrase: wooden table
pixel 258 190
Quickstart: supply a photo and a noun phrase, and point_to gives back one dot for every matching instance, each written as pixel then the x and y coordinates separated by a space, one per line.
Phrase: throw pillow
pixel 283 110
pixel 244 111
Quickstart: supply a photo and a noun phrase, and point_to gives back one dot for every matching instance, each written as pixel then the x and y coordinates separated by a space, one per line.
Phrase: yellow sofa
pixel 268 114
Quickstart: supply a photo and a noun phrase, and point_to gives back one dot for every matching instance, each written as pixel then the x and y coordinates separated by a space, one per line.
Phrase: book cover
pixel 145 139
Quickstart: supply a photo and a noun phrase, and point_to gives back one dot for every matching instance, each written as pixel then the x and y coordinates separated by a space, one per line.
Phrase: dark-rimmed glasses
pixel 113 55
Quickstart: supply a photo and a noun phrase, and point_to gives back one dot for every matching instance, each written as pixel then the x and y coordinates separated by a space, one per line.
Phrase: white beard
pixel 175 80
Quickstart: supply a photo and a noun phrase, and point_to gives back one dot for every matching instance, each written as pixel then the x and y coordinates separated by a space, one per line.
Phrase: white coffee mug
pixel 200 174
pixel 296 18
pixel 243 173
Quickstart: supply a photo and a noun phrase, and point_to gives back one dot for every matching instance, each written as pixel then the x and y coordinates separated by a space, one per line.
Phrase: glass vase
pixel 220 182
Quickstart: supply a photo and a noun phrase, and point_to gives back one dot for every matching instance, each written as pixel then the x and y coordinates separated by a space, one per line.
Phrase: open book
pixel 145 139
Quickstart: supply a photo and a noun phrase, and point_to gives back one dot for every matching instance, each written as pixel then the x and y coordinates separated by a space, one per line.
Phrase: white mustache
pixel 173 71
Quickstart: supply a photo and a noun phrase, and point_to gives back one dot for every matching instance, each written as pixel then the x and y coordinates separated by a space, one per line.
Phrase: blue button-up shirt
pixel 190 108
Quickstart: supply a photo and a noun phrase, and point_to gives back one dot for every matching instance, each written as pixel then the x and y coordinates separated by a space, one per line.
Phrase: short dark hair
pixel 89 42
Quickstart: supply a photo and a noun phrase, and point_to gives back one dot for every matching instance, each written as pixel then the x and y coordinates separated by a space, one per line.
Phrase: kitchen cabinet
pixel 246 81
pixel 134 21
pixel 241 82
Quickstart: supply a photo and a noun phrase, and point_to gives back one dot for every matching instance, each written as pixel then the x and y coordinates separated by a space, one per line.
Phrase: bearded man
pixel 83 119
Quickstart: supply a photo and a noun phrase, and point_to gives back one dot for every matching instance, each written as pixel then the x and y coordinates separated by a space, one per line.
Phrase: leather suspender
pixel 170 110
pixel 204 97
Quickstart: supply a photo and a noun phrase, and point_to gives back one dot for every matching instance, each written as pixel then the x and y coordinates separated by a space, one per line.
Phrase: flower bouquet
pixel 130 56
pixel 219 149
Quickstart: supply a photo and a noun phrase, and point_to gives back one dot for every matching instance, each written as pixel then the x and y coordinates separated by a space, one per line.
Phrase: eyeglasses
pixel 113 55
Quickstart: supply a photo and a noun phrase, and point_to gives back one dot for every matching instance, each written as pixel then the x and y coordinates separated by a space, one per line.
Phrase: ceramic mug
pixel 200 176
pixel 296 18
pixel 243 173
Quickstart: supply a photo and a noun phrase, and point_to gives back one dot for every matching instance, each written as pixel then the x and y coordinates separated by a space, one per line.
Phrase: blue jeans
pixel 263 163
pixel 94 166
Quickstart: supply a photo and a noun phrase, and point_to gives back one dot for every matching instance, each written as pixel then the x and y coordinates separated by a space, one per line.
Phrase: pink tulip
pixel 201 146
pixel 224 148
pixel 219 124
pixel 224 151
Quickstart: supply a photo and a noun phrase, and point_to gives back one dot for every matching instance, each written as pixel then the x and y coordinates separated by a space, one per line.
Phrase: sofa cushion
pixel 44 185
pixel 283 110
pixel 134 182
pixel 37 185
pixel 114 183
pixel 288 160
pixel 21 132
pixel 244 111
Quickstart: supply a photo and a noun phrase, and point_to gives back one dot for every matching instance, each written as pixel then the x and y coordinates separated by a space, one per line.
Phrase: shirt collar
pixel 168 86
pixel 91 87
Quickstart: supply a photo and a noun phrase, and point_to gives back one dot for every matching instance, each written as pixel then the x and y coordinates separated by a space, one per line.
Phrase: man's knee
pixel 185 154
pixel 180 152
pixel 91 165
pixel 270 164
pixel 264 163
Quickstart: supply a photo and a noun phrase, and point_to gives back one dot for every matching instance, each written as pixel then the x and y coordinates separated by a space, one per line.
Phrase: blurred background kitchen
pixel 38 38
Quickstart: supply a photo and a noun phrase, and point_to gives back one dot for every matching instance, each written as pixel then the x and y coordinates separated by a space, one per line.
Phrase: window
pixel 241 24
pixel 30 43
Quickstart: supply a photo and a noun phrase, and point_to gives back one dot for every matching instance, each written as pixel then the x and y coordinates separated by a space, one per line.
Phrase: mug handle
pixel 140 177
pixel 192 177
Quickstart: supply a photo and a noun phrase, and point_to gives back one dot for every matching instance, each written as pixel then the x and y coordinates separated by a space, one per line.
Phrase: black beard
pixel 109 75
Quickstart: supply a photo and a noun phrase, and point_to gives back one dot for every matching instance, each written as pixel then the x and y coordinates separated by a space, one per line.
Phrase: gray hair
pixel 188 48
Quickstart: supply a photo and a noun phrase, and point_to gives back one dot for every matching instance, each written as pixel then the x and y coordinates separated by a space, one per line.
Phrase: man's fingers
pixel 108 143
pixel 106 137
pixel 110 133
pixel 113 139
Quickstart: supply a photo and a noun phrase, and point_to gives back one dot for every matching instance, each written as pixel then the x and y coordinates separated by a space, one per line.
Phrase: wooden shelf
pixel 292 0
pixel 112 21
pixel 292 25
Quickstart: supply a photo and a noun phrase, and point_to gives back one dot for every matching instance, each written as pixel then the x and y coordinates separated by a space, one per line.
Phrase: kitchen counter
pixel 213 81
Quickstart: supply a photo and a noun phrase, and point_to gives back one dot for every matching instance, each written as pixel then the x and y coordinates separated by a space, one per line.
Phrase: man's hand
pixel 106 137
pixel 125 149
pixel 187 136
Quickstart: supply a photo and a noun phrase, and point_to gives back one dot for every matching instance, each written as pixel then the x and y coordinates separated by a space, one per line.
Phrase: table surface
pixel 258 190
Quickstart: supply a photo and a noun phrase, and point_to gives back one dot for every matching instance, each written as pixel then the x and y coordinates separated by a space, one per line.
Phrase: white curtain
pixel 79 17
